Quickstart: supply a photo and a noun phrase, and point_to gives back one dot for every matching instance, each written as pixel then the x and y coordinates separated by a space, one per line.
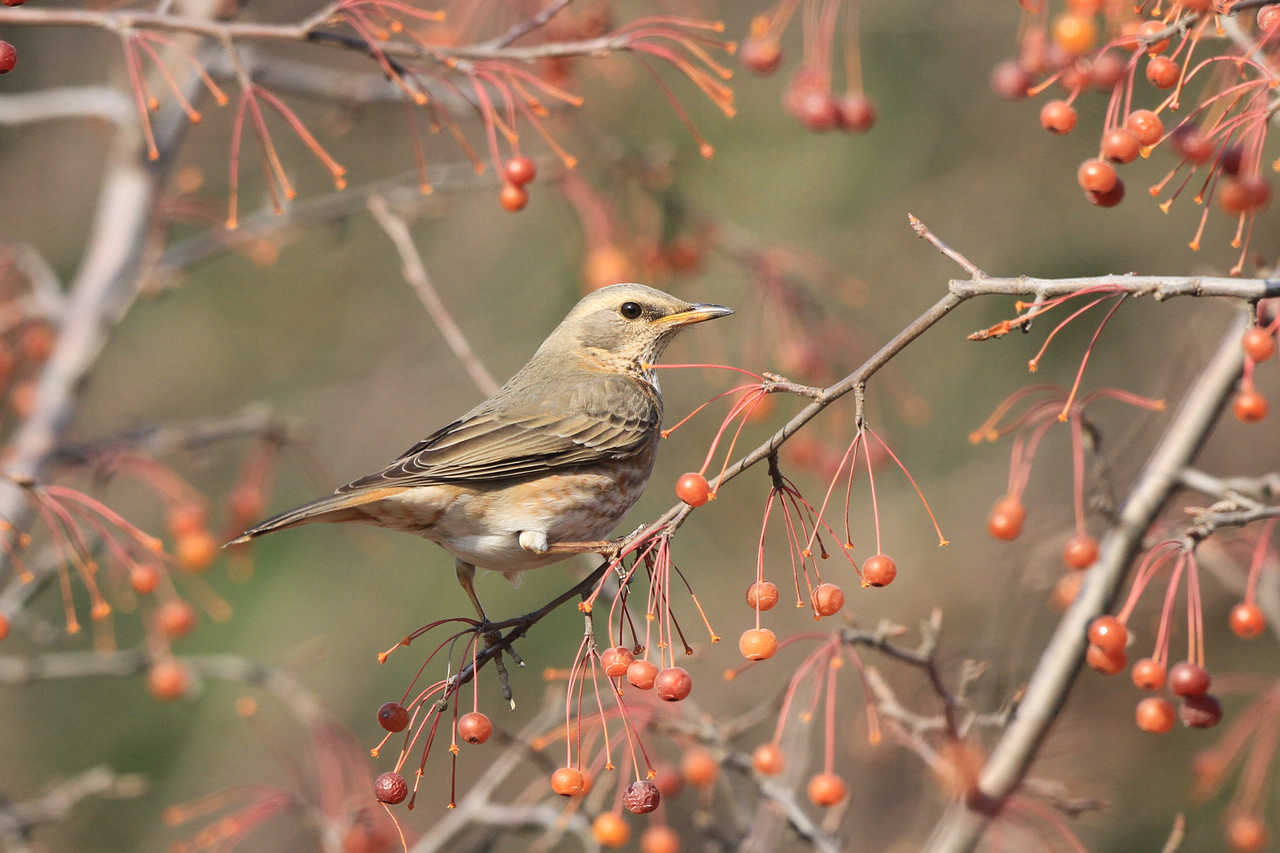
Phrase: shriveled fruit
pixel 390 788
pixel 641 797
pixel 616 660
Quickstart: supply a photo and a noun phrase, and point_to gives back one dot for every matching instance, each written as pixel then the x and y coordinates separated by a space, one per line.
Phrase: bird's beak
pixel 698 312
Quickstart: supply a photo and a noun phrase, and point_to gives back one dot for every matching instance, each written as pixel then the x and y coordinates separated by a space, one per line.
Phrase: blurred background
pixel 805 234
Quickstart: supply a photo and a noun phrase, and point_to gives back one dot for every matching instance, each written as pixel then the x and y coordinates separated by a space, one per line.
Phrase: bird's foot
pixel 493 640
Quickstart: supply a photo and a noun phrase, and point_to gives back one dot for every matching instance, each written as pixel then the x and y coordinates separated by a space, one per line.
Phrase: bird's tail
pixel 344 506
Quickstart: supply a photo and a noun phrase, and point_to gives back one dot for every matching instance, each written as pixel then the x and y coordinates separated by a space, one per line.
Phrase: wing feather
pixel 577 421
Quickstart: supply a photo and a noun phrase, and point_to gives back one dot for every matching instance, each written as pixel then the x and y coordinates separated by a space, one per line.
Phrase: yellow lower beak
pixel 699 312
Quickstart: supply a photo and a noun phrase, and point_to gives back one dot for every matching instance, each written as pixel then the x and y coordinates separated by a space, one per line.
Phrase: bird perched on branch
pixel 555 458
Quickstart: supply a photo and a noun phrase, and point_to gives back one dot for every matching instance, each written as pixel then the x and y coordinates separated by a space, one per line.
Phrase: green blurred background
pixel 330 335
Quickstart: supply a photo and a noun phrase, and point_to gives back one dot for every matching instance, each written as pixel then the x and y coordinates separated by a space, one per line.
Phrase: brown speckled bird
pixel 557 455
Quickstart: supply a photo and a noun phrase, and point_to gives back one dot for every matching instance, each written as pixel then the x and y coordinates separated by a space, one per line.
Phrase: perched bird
pixel 557 455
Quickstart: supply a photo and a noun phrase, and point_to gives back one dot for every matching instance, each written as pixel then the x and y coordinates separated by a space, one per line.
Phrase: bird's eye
pixel 630 310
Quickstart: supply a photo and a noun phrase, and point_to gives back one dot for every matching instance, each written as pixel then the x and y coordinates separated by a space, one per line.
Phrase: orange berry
pixel 1145 125
pixel 826 789
pixel 856 113
pixel 1005 521
pixel 762 595
pixel 196 550
pixel 1259 344
pixel 1097 176
pixel 1058 117
pixel 186 518
pixel 1080 552
pixel 1066 590
pixel 22 398
pixel 1108 633
pixel 1247 620
pixel 616 660
pixel 168 679
pixel 673 684
pixel 1247 833
pixel 568 782
pixel 176 618
pixel 1162 72
pixel 605 265
pixel 879 571
pixel 246 504
pixel 144 578
pixel 520 171
pixel 1154 714
pixel 1148 674
pixel 642 674
pixel 1075 33
pixel 1250 406
pixel 827 599
pixel 1149 28
pixel 512 197
pixel 1121 146
pixel 767 759
pixel 610 830
pixel 474 727
pixel 659 839
pixel 699 767
pixel 668 779
pixel 1104 662
pixel 693 489
pixel 390 788
pixel 4 626
pixel 758 644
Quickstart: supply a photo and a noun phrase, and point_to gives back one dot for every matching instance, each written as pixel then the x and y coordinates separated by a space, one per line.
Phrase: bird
pixel 555 457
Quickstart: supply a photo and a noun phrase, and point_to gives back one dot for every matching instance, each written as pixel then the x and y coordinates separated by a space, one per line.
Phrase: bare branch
pixel 78 102
pixel 19 818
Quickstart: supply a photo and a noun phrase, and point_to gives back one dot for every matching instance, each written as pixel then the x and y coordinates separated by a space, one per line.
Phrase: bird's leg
pixel 467 579
pixel 595 546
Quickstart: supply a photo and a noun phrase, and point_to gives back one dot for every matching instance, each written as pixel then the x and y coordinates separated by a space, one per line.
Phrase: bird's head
pixel 626 326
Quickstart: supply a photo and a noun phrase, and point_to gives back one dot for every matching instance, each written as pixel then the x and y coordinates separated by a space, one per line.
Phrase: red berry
pixel 474 727
pixel 760 55
pixel 393 717
pixel 1191 142
pixel 1187 679
pixel 1110 198
pixel 8 55
pixel 758 644
pixel 1259 344
pixel 1096 176
pixel 1231 159
pixel 390 788
pixel 616 660
pixel 512 197
pixel 1005 521
pixel 1145 125
pixel 196 550
pixel 673 684
pixel 1107 70
pixel 1104 662
pixel 568 782
pixel 767 759
pixel 1162 72
pixel 641 797
pixel 1200 712
pixel 1247 833
pixel 1066 590
pixel 1058 117
pixel 827 599
pixel 4 626
pixel 762 595
pixel 699 767
pixel 879 571
pixel 1250 406
pixel 826 789
pixel 1010 80
pixel 1268 18
pixel 856 112
pixel 816 109
pixel 693 489
pixel 668 779
pixel 1247 620
pixel 1148 29
pixel 1154 714
pixel 519 171
pixel 642 674
pixel 176 618
pixel 1121 146
pixel 1108 634
pixel 1148 674
pixel 1080 552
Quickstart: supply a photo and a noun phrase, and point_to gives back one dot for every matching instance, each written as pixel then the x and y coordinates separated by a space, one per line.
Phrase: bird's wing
pixel 566 426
